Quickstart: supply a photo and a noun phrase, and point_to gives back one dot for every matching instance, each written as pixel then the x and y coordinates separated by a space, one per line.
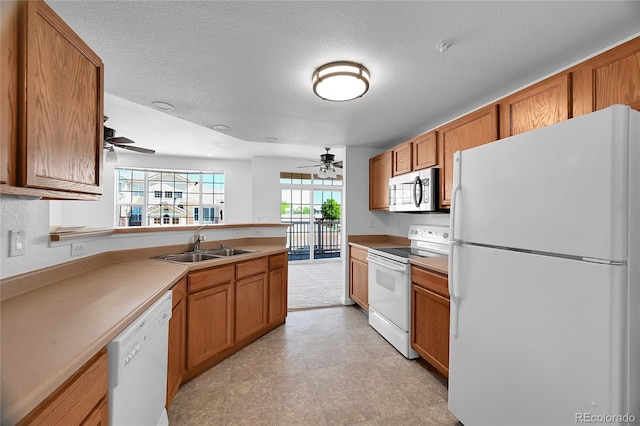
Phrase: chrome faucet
pixel 198 237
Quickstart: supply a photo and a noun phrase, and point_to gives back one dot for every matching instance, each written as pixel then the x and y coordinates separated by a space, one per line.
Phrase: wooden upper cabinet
pixel 612 77
pixel 55 139
pixel 8 92
pixel 403 158
pixel 474 129
pixel 542 104
pixel 425 151
pixel 380 170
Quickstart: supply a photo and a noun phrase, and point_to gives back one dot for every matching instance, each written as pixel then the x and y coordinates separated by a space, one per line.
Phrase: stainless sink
pixel 225 252
pixel 188 257
pixel 199 256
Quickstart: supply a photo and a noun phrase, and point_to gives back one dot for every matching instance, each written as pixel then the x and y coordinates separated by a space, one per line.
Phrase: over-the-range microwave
pixel 414 192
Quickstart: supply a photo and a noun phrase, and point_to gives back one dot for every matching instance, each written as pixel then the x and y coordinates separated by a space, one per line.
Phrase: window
pixel 168 197
pixel 312 234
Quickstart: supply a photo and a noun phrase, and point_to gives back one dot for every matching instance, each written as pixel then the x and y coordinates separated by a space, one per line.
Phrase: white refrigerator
pixel 544 275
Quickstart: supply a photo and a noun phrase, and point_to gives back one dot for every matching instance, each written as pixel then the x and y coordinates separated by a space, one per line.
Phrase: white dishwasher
pixel 138 369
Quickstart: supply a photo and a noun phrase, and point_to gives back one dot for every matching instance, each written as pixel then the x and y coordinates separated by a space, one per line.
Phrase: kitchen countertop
pixel 436 264
pixel 50 332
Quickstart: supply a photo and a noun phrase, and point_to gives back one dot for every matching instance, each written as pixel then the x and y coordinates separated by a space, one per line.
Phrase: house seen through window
pixel 168 197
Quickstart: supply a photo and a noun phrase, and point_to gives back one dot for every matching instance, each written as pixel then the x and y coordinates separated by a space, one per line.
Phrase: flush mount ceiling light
pixel 221 128
pixel 340 81
pixel 163 106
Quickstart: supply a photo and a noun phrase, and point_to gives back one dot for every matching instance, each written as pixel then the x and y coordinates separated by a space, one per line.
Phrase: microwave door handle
pixel 417 184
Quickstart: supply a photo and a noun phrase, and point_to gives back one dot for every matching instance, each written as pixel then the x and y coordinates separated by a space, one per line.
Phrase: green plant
pixel 330 209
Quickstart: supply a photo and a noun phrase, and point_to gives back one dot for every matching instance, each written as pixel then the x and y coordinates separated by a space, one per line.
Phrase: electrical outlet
pixel 236 233
pixel 77 249
pixel 16 243
pixel 371 224
pixel 258 232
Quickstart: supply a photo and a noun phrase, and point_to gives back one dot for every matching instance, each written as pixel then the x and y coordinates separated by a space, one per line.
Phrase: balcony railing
pixel 326 237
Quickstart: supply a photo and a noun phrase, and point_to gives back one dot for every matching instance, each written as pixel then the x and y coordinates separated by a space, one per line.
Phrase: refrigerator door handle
pixel 453 316
pixel 456 181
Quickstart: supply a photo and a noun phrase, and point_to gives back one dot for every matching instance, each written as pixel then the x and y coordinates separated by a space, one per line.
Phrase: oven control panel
pixel 430 233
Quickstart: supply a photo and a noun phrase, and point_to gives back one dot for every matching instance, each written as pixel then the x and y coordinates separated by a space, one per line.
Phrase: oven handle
pixel 387 265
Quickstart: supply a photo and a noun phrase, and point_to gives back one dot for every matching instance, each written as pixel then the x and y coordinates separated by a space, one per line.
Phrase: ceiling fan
pixel 327 165
pixel 110 141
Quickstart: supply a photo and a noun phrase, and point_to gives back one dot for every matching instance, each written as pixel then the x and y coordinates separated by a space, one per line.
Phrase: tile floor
pixel 323 367
pixel 315 284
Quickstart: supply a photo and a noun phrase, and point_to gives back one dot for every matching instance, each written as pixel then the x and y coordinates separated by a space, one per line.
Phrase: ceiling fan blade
pixel 338 164
pixel 304 167
pixel 136 148
pixel 120 139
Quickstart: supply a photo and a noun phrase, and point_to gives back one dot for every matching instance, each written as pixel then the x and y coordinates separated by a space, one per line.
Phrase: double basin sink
pixel 199 256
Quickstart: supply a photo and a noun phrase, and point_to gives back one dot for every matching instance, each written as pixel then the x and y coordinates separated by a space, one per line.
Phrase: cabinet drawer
pixel 435 282
pixel 178 291
pixel 251 267
pixel 277 261
pixel 76 398
pixel 211 277
pixel 359 254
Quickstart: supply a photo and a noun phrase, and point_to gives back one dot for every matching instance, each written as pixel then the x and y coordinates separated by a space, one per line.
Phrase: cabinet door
pixel 8 91
pixel 277 295
pixel 542 104
pixel 99 416
pixel 478 128
pixel 380 170
pixel 251 305
pixel 177 349
pixel 425 151
pixel 209 323
pixel 430 327
pixel 359 283
pixel 77 398
pixel 403 158
pixel 612 77
pixel 62 106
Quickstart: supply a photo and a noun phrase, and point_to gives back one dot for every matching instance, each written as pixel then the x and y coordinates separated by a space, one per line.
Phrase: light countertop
pixel 436 264
pixel 50 332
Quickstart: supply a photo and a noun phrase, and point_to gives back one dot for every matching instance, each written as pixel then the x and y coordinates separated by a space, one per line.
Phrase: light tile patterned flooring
pixel 323 367
pixel 315 284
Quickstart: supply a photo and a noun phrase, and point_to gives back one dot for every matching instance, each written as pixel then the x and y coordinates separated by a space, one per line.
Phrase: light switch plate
pixel 16 243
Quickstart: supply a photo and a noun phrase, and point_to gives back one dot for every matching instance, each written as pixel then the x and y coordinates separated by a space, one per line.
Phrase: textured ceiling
pixel 248 65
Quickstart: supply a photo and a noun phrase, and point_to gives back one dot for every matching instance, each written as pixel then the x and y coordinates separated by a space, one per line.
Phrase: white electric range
pixel 390 283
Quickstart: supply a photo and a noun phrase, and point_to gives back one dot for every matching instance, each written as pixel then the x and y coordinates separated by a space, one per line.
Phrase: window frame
pixel 128 197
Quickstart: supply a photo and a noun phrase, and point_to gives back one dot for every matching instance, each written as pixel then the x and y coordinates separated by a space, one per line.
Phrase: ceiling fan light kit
pixel 341 81
pixel 111 156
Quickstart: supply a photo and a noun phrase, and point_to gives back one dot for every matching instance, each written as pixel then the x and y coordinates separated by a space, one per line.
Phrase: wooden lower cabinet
pixel 81 400
pixel 430 318
pixel 228 307
pixel 277 293
pixel 251 305
pixel 209 322
pixel 176 364
pixel 359 277
pixel 99 416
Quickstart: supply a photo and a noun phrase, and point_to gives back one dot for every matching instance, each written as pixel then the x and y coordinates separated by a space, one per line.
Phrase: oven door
pixel 389 289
